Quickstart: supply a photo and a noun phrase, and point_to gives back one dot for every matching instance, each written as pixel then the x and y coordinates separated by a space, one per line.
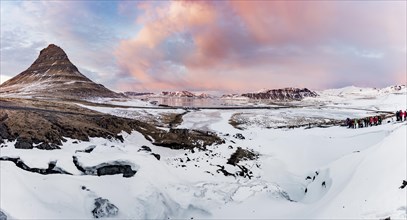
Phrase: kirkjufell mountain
pixel 53 75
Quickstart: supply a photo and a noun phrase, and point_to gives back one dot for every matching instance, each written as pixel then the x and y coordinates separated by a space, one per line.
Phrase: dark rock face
pixel 104 209
pixel 23 143
pixel 116 169
pixel 286 94
pixel 4 131
pixel 224 171
pixel 403 185
pixel 239 136
pixel 52 169
pixel 87 150
pixel 113 168
pixel 241 154
pixel 54 76
pixel 3 216
pixel 145 148
pixel 186 139
pixel 244 172
pixel 157 156
pixel 148 149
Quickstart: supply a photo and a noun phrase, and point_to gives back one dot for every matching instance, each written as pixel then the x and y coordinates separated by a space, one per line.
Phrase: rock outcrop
pixel 111 168
pixel 286 94
pixel 241 154
pixel 52 75
pixel 104 209
pixel 52 169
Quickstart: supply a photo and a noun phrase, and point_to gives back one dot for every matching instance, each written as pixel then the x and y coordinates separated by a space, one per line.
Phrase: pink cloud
pixel 240 45
pixel 284 21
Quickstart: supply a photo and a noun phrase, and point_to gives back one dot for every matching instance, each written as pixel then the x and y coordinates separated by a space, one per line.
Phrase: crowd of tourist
pixel 364 122
pixel 373 120
pixel 401 116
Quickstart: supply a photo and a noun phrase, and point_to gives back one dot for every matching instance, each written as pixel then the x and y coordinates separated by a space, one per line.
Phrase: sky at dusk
pixel 231 46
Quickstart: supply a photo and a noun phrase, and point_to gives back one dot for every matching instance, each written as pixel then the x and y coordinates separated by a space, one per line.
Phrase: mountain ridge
pixel 282 94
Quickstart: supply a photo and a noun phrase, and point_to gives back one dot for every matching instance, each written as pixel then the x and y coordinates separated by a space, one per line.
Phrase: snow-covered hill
pixel 391 98
pixel 364 92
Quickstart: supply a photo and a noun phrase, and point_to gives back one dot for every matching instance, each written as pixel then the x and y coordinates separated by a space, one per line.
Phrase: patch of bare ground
pixel 235 122
pixel 172 119
pixel 242 154
pixel 43 124
pixel 239 155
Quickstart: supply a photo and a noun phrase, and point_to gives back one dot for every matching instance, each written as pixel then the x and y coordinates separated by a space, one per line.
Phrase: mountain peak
pixel 53 74
pixel 53 51
pixel 52 57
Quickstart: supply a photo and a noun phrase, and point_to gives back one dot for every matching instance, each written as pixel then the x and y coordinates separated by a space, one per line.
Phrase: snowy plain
pixel 353 173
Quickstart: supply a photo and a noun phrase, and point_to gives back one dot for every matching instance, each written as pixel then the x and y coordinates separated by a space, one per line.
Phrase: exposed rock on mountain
pixel 52 75
pixel 178 94
pixel 104 209
pixel 184 94
pixel 282 94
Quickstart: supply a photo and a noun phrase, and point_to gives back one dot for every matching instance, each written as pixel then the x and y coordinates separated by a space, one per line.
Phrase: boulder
pixel 104 209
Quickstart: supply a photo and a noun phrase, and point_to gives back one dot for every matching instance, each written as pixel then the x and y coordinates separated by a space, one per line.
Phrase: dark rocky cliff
pixel 286 94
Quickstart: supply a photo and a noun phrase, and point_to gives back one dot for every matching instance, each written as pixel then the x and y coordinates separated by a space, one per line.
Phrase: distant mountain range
pixel 52 75
pixel 285 94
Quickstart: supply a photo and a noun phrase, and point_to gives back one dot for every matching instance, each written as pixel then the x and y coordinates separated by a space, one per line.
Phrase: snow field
pixel 347 173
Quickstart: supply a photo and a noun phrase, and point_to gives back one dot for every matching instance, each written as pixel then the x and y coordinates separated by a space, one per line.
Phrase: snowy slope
pixel 373 186
pixel 391 98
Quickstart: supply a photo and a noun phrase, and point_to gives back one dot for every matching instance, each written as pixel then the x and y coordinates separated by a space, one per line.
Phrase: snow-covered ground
pixel 300 173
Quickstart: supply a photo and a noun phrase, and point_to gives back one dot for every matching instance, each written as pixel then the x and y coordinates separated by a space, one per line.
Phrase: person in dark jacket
pixel 347 122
